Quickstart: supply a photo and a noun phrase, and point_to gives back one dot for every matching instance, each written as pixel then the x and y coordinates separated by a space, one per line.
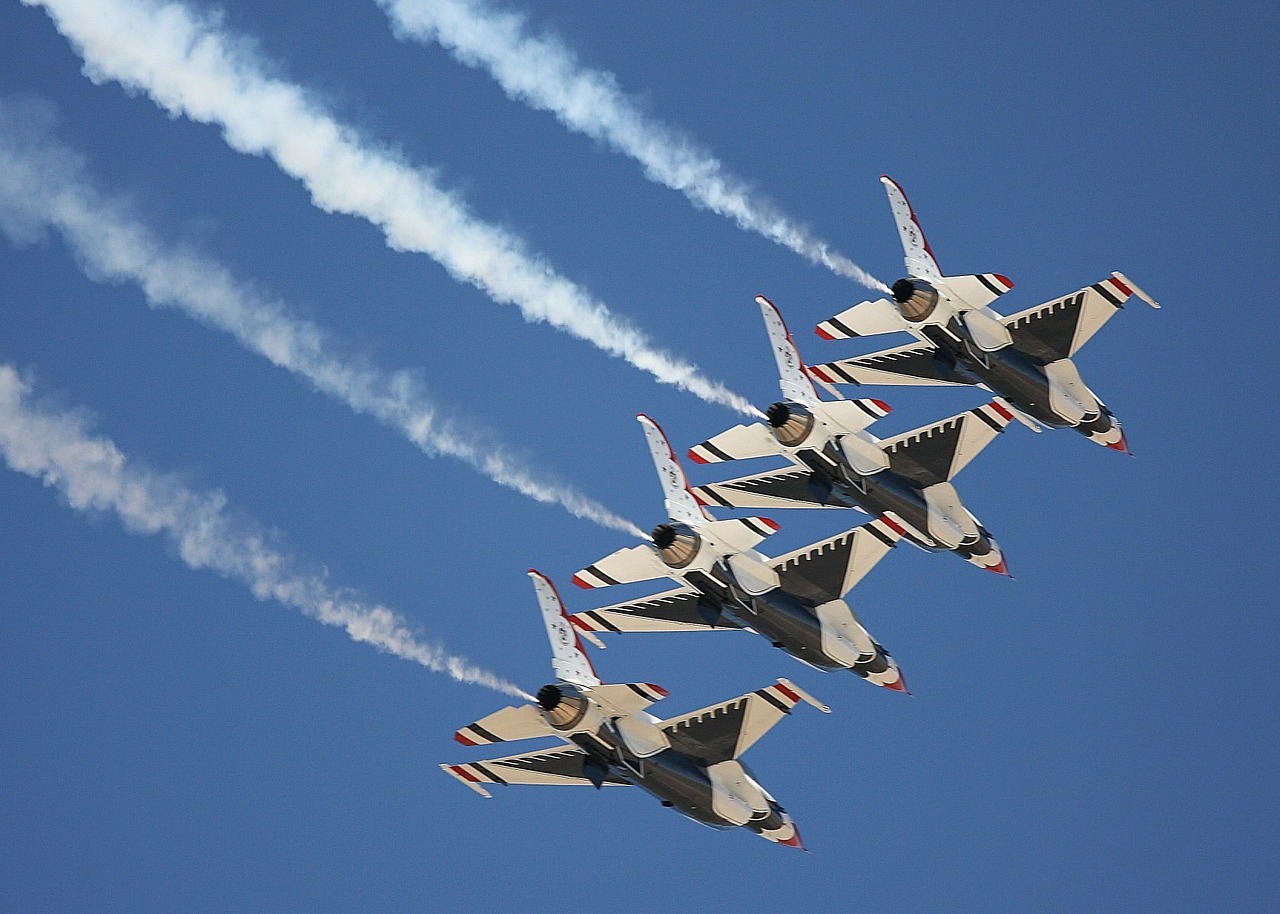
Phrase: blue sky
pixel 1097 735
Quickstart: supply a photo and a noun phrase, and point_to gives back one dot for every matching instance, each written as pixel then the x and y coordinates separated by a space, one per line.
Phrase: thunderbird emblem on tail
pixel 689 762
pixel 1025 358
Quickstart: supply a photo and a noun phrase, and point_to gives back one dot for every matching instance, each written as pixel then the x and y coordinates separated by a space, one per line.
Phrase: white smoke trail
pixel 189 66
pixel 94 475
pixel 544 74
pixel 42 184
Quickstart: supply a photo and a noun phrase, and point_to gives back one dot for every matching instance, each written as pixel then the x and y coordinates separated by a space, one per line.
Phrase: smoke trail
pixel 189 66
pixel 544 74
pixel 43 185
pixel 95 476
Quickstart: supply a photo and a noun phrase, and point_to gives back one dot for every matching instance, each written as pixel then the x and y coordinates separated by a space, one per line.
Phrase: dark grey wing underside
pixel 682 609
pixel 1058 329
pixel 926 457
pixel 918 364
pixel 781 489
pixel 563 767
pixel 827 570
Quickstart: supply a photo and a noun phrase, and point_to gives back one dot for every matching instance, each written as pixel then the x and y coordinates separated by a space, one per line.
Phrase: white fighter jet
pixel 1025 358
pixel 839 464
pixel 796 601
pixel 690 763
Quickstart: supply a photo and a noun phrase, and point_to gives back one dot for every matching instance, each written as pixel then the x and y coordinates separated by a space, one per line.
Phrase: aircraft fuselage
pixel 680 782
pixel 883 493
pixel 788 622
pixel 1008 372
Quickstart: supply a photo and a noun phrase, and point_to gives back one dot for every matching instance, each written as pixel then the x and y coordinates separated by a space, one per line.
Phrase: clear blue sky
pixel 1098 735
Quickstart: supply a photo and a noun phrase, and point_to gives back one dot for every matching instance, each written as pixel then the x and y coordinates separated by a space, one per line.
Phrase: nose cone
pixel 1000 567
pixel 1121 444
pixel 899 684
pixel 788 834
pixel 794 840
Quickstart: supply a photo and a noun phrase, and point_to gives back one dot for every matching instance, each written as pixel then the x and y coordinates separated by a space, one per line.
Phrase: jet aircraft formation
pixel 797 601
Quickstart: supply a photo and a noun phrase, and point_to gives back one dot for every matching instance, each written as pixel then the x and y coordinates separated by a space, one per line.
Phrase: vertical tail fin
pixel 795 383
pixel 569 658
pixel 681 504
pixel 915 247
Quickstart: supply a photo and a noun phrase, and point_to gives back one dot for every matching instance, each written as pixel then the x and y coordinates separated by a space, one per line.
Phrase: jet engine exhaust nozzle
pixel 791 423
pixel 563 711
pixel 676 543
pixel 916 298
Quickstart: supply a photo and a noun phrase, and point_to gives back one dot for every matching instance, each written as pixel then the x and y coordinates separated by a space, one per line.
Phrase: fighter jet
pixel 796 600
pixel 689 762
pixel 1025 358
pixel 840 465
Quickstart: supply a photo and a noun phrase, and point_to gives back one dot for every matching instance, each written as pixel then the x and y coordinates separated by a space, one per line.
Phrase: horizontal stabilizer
pixel 626 566
pixel 828 570
pixel 680 610
pixel 796 488
pixel 935 453
pixel 1057 329
pixel 523 722
pixel 866 319
pixel 559 767
pixel 741 533
pixel 626 698
pixel 914 364
pixel 725 731
pixel 970 293
pixel 848 416
pixel 741 442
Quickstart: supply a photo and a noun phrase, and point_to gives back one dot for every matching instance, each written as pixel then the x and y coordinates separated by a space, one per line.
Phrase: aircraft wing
pixel 725 731
pixel 865 319
pixel 563 767
pixel 679 610
pixel 829 569
pixel 776 489
pixel 914 364
pixel 935 453
pixel 1056 330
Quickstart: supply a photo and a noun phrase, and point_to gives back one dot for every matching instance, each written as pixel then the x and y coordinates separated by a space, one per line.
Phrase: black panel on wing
pixel 678 608
pixel 819 574
pixel 790 485
pixel 1046 334
pixel 568 763
pixel 917 362
pixel 710 737
pixel 925 457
